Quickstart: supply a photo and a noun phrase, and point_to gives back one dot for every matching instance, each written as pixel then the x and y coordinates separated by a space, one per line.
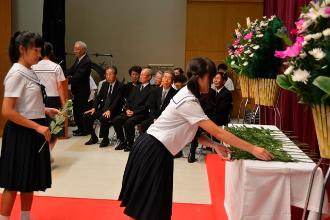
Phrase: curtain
pixel 295 117
pixel 53 27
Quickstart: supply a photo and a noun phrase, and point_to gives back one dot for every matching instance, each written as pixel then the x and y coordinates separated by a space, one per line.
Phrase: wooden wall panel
pixel 210 26
pixel 5 24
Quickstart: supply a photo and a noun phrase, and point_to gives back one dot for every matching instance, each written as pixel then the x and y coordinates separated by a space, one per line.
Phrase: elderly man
pixel 160 98
pixel 78 76
pixel 107 104
pixel 136 110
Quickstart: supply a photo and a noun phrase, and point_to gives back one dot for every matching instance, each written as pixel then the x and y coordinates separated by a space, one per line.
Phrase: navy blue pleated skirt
pixel 22 167
pixel 147 186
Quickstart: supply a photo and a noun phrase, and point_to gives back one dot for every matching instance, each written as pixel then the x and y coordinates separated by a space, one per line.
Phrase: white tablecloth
pixel 266 190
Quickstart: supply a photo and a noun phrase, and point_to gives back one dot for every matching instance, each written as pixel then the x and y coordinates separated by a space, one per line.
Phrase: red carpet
pixel 216 174
pixel 58 208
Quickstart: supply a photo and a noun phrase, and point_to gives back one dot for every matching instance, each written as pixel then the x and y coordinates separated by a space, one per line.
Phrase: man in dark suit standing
pixel 159 99
pixel 107 104
pixel 78 76
pixel 136 110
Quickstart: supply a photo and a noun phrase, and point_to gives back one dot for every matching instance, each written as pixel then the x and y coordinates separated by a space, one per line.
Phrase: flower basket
pixel 321 116
pixel 265 92
pixel 244 83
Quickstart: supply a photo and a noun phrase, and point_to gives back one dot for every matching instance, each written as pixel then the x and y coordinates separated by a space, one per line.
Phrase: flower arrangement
pixel 308 59
pixel 57 123
pixel 252 51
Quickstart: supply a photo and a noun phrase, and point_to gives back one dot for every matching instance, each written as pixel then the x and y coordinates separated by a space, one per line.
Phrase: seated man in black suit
pixel 135 111
pixel 159 99
pixel 78 76
pixel 134 73
pixel 107 104
pixel 220 113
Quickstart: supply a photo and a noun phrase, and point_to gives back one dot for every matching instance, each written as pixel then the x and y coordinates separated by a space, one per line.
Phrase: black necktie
pixel 107 99
pixel 141 88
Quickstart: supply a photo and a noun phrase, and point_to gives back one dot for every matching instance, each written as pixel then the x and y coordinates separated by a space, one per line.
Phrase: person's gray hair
pixel 82 44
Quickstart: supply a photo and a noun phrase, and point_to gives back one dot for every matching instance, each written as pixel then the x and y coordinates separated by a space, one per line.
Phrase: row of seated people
pixel 138 103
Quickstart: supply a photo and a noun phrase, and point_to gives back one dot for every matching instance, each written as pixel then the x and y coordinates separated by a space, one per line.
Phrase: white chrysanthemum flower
pixel 308 37
pixel 303 55
pixel 251 55
pixel 247 51
pixel 316 36
pixel 245 63
pixel 326 32
pixel 317 53
pixel 232 56
pixel 259 35
pixel 256 47
pixel 288 70
pixel 300 75
pixel 232 63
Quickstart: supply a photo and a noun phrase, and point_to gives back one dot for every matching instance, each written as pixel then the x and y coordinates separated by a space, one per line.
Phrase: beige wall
pixel 135 32
pixel 27 15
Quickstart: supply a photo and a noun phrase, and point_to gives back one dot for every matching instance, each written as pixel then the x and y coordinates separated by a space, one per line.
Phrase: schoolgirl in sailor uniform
pixel 51 76
pixel 22 167
pixel 147 183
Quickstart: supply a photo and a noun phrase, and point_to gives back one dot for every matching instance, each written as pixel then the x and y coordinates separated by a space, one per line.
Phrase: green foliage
pixel 57 124
pixel 262 138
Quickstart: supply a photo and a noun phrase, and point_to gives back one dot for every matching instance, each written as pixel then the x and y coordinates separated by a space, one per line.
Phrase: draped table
pixel 261 190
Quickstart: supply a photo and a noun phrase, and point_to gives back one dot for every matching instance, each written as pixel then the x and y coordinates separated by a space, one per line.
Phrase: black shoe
pixel 121 146
pixel 178 155
pixel 129 147
pixel 104 142
pixel 91 141
pixel 191 158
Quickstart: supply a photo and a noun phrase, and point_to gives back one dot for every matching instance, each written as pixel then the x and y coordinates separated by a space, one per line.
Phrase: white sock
pixel 25 215
pixel 2 217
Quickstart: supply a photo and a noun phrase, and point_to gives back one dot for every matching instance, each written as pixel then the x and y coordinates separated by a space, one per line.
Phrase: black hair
pixel 48 51
pixel 222 66
pixel 180 70
pixel 137 69
pixel 179 78
pixel 114 68
pixel 224 75
pixel 25 39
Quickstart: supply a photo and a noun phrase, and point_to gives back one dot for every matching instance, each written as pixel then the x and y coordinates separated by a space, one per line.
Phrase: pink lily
pixel 292 51
pixel 248 36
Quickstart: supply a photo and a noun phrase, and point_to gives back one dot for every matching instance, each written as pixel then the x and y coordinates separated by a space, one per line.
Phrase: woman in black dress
pixel 22 168
pixel 147 184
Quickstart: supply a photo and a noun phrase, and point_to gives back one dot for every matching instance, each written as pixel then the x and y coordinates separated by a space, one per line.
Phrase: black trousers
pixel 80 105
pixel 146 124
pixel 128 123
pixel 89 122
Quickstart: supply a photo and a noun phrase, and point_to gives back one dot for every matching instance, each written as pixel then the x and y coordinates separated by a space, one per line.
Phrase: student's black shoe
pixel 104 142
pixel 191 158
pixel 91 141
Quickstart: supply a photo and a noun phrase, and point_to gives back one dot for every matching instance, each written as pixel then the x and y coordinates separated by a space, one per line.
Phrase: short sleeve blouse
pixel 178 123
pixel 29 101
